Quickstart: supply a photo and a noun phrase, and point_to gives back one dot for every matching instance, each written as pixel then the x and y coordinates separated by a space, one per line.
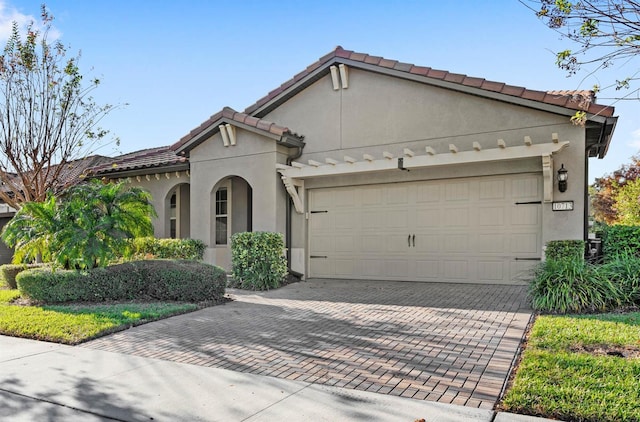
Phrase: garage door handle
pixel 318 256
pixel 414 240
pixel 409 240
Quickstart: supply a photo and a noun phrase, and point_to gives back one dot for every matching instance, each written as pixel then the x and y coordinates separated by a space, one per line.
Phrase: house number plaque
pixel 562 206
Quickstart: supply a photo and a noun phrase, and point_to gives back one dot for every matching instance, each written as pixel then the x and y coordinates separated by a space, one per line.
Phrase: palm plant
pixel 31 230
pixel 99 217
pixel 86 227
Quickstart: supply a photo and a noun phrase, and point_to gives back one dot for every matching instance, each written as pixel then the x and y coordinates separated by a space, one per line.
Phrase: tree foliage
pixel 86 228
pixel 605 32
pixel 628 204
pixel 48 117
pixel 612 196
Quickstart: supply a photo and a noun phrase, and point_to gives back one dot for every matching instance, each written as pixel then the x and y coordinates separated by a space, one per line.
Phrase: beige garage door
pixel 475 230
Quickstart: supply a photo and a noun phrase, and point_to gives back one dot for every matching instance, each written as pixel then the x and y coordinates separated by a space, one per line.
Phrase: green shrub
pixel 192 249
pixel 620 240
pixel 8 273
pixel 188 281
pixel 257 260
pixel 565 249
pixel 572 285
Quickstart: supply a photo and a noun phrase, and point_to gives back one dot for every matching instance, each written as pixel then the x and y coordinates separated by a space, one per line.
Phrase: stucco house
pixel 377 169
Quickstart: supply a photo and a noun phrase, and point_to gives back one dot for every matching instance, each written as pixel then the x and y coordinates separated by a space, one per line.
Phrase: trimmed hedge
pixel 174 280
pixel 143 247
pixel 565 249
pixel 257 260
pixel 621 240
pixel 8 273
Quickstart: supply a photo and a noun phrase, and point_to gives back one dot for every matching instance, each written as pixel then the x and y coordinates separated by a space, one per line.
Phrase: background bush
pixel 257 260
pixel 620 240
pixel 188 281
pixel 8 273
pixel 565 249
pixel 167 248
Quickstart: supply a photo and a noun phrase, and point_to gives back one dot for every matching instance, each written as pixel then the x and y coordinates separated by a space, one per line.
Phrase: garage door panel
pixel 492 190
pixel 322 267
pixel 457 191
pixel 373 244
pixel 466 230
pixel 396 219
pixel 372 268
pixel 397 243
pixel 397 195
pixel 457 243
pixel 322 245
pixel 428 193
pixel 322 199
pixel 428 243
pixel 345 267
pixel 321 222
pixel 526 188
pixel 492 270
pixel 427 217
pixel 525 243
pixel 345 198
pixel 396 268
pixel 491 243
pixel 526 215
pixel 521 270
pixel 372 196
pixel 456 217
pixel 456 270
pixel 344 244
pixel 427 269
pixel 372 220
pixel 491 216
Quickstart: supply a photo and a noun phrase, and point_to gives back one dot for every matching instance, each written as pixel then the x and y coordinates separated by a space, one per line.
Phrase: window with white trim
pixel 173 216
pixel 222 216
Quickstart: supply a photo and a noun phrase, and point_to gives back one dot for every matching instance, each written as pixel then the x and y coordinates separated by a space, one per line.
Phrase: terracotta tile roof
pixel 229 115
pixel 138 160
pixel 71 173
pixel 573 100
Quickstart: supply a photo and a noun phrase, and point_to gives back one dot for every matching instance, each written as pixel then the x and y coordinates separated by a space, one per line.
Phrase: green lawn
pixel 557 378
pixel 72 324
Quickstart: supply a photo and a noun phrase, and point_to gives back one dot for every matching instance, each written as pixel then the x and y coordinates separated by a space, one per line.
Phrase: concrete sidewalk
pixel 49 382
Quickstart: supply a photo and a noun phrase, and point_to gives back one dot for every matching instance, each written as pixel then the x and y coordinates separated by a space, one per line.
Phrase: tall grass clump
pixel 623 269
pixel 573 285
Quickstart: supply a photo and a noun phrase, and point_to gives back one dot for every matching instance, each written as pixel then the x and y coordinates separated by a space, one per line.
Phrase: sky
pixel 172 64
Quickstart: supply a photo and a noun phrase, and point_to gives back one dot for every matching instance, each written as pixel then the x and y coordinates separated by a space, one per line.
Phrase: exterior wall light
pixel 563 175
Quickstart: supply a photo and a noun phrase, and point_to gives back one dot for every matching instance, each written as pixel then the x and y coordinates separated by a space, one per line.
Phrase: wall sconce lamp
pixel 563 175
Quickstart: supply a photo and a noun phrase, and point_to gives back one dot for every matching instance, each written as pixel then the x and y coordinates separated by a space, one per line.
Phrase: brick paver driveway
pixel 430 341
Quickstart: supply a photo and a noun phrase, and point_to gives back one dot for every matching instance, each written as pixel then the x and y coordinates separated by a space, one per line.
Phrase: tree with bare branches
pixel 605 32
pixel 48 117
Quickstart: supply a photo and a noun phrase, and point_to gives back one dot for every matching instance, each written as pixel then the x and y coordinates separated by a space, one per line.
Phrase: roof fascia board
pixel 471 90
pixel 294 89
pixel 142 171
pixel 607 134
pixel 313 76
pixel 213 128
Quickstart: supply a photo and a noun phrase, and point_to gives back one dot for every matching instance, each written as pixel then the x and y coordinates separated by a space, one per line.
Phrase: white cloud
pixel 9 14
pixel 635 139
